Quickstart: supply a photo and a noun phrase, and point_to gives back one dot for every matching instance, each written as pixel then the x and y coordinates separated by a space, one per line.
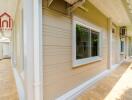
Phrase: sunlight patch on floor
pixel 8 90
pixel 124 84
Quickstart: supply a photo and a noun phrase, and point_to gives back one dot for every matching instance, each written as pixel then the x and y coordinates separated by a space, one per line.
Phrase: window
pixel 122 45
pixel 94 43
pixel 87 44
pixel 82 42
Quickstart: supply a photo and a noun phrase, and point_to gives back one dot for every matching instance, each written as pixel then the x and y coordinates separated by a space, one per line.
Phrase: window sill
pixel 80 62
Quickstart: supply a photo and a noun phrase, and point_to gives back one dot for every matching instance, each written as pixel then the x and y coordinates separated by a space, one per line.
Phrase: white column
pixel 32 48
pixel 28 48
pixel 126 47
pixel 38 77
pixel 119 48
pixel 109 43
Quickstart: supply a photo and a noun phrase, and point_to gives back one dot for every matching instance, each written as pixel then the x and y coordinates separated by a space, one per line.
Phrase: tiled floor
pixel 117 86
pixel 7 83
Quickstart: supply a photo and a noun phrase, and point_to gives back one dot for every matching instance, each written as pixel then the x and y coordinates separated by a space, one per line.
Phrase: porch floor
pixel 116 86
pixel 8 89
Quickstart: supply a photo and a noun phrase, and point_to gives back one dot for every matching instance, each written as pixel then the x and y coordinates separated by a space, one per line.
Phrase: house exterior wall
pixel 115 45
pixel 116 49
pixel 17 40
pixel 5 50
pixel 124 55
pixel 129 32
pixel 59 76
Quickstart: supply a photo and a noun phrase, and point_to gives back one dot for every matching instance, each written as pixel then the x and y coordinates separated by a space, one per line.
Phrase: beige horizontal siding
pixel 53 76
pixel 51 40
pixel 54 32
pixel 57 50
pixel 57 84
pixel 59 76
pixel 55 20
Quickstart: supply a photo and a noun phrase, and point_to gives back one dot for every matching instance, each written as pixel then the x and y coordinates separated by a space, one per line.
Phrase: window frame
pixel 83 61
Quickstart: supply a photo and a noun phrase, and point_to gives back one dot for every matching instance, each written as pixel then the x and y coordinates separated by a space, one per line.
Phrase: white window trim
pixel 80 62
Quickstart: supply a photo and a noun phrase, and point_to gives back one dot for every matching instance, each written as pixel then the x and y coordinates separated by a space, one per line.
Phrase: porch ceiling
pixel 113 9
pixel 128 6
pixel 8 6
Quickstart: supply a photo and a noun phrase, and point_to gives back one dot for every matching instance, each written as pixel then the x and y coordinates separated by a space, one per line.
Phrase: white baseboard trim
pixel 113 67
pixel 76 91
pixel 19 85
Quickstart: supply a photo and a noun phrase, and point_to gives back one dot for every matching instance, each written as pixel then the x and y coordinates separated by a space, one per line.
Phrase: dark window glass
pixel 82 42
pixel 87 42
pixel 122 46
pixel 94 43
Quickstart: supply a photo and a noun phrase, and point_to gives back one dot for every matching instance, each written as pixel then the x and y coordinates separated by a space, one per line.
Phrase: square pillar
pixel 109 43
pixel 32 15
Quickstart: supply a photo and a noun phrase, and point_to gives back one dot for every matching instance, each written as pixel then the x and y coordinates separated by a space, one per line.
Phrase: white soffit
pixel 128 5
pixel 8 6
pixel 113 9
